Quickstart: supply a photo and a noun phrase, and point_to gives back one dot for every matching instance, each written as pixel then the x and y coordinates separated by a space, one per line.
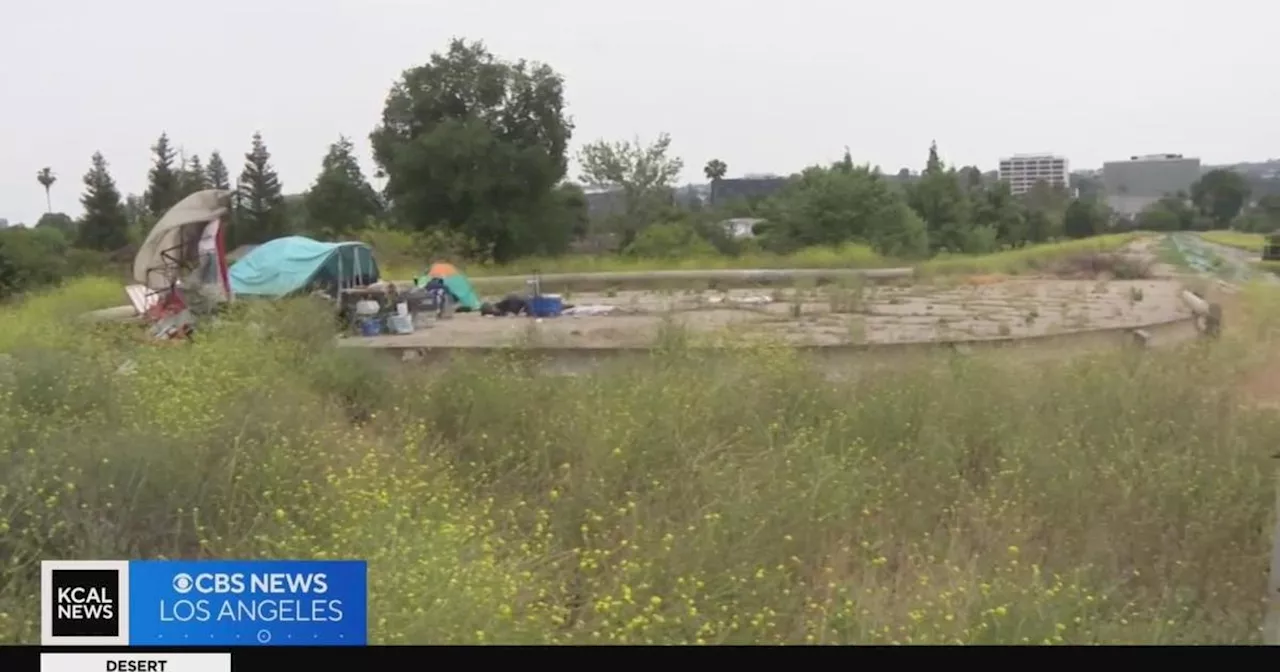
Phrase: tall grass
pixel 1021 260
pixel 1026 259
pixel 1121 498
pixel 1252 242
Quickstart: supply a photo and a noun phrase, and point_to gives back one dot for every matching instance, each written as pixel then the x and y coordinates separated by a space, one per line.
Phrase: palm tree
pixel 46 178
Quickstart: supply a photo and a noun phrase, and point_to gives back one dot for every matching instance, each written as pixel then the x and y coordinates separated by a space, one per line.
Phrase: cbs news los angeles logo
pixel 84 603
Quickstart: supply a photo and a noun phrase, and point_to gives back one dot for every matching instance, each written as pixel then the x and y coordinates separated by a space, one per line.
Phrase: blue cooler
pixel 369 326
pixel 546 305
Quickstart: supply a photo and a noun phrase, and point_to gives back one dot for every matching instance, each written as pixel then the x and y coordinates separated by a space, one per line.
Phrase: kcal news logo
pixel 84 603
pixel 204 603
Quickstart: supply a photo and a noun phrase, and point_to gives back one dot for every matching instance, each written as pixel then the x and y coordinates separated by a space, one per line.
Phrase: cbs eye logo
pixel 183 583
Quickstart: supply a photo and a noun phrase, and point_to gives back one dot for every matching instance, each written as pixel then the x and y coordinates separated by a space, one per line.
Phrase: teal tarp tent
pixel 293 264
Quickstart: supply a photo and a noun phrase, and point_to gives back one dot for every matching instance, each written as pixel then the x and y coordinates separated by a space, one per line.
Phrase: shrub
pixel 31 258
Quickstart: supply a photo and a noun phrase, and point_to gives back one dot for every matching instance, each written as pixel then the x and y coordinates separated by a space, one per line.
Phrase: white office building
pixel 1023 171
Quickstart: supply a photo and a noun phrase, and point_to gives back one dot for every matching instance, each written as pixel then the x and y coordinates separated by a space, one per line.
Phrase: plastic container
pixel 547 305
pixel 400 324
pixel 366 308
pixel 369 326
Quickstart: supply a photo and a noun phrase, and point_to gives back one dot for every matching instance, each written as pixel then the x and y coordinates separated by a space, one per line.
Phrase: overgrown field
pixel 1124 498
pixel 1252 242
pixel 399 264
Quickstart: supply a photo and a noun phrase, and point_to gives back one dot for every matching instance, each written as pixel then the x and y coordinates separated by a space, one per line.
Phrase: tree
pixel 715 170
pixel 1168 214
pixel 937 197
pixel 995 206
pixel 59 221
pixel 104 225
pixel 194 176
pixel 669 239
pixel 970 177
pixel 46 178
pixel 217 173
pixel 260 212
pixel 1084 217
pixel 30 258
pixel 1220 195
pixel 836 204
pixel 139 218
pixel 164 183
pixel 341 199
pixel 474 144
pixel 1264 216
pixel 643 173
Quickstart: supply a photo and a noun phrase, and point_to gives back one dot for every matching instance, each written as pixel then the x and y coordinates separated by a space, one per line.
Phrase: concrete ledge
pixel 750 275
pixel 839 359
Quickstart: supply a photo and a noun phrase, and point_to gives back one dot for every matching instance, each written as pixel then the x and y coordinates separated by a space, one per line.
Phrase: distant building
pixel 748 188
pixel 1023 171
pixel 1131 186
pixel 4 223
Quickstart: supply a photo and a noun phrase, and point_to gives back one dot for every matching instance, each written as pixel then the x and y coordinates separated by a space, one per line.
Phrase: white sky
pixel 768 87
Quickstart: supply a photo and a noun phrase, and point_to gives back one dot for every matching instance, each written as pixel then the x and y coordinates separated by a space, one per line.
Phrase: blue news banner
pixel 248 603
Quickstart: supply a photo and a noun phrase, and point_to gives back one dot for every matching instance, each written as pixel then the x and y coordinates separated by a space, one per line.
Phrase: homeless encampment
pixel 454 282
pixel 296 264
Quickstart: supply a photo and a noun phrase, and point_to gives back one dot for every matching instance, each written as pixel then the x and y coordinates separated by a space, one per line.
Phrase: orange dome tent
pixel 442 269
pixel 455 281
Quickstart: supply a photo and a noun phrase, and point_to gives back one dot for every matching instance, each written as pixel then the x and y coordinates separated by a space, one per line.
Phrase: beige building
pixel 1023 171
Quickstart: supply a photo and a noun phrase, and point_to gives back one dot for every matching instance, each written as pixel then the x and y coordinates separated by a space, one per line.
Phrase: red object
pixel 222 260
pixel 170 303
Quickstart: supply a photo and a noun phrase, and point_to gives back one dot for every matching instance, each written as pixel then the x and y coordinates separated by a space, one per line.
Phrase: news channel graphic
pixel 177 603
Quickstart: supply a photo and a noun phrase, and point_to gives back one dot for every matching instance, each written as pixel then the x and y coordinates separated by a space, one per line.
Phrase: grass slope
pixel 1123 498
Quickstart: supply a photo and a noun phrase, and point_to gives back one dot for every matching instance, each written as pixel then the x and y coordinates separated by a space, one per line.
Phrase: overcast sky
pixel 768 87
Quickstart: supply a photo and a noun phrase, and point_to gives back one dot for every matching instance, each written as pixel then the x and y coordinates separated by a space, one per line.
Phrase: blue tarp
pixel 293 264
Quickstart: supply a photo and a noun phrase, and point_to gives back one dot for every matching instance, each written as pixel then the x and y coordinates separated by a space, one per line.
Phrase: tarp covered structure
pixel 173 245
pixel 454 281
pixel 295 264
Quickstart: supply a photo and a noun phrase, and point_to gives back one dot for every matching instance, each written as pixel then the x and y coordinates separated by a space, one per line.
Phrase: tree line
pixel 474 153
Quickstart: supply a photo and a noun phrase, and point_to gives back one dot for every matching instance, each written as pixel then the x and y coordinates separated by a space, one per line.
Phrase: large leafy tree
pixel 843 202
pixel 260 213
pixel 1220 195
pixel 341 198
pixel 643 174
pixel 996 207
pixel 941 202
pixel 475 144
pixel 1084 217
pixel 104 225
pixel 60 221
pixel 164 181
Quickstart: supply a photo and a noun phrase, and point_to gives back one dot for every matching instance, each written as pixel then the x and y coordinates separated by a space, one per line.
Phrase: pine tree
pixel 217 173
pixel 194 176
pixel 260 215
pixel 104 225
pixel 341 199
pixel 164 182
